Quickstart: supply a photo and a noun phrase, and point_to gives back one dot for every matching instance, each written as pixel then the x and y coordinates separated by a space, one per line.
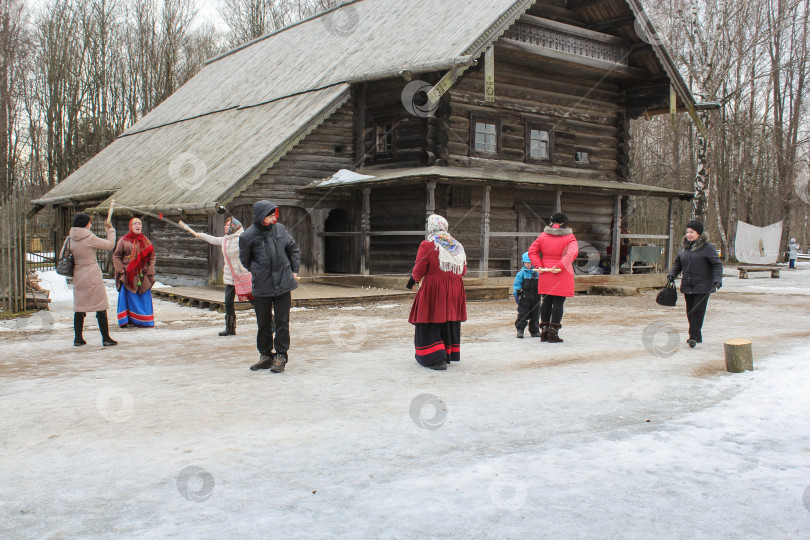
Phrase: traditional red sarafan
pixel 555 249
pixel 441 295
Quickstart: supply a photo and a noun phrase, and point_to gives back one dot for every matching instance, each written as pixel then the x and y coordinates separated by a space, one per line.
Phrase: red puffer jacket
pixel 555 248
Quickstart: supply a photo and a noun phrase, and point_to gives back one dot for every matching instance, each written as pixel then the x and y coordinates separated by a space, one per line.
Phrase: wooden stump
pixel 739 355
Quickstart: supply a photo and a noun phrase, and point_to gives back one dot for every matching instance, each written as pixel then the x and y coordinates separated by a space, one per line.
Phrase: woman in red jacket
pixel 440 305
pixel 553 255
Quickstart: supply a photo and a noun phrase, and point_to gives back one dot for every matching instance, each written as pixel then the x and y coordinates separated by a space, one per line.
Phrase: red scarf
pixel 139 258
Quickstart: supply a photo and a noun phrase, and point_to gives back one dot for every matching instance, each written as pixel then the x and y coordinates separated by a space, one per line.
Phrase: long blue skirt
pixel 135 308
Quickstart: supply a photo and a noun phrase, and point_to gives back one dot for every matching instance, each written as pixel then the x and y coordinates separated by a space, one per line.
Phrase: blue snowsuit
pixel 527 298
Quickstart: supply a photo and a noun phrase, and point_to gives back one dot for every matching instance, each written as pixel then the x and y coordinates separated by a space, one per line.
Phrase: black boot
pixel 279 362
pixel 230 326
pixel 265 361
pixel 520 333
pixel 78 326
pixel 104 328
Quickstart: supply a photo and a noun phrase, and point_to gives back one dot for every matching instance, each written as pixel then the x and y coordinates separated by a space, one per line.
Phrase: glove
pixel 717 286
pixel 411 283
pixel 670 279
pixel 517 297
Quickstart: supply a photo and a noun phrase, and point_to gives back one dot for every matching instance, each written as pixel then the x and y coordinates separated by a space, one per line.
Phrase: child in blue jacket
pixel 527 299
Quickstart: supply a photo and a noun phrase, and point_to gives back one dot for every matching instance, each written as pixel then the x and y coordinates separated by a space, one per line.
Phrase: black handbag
pixel 668 296
pixel 65 265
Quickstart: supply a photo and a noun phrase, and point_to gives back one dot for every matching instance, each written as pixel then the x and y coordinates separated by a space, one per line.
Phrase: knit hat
pixel 696 226
pixel 559 217
pixel 81 220
pixel 526 257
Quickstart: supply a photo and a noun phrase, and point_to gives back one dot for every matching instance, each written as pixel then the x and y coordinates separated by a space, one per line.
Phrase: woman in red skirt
pixel 440 305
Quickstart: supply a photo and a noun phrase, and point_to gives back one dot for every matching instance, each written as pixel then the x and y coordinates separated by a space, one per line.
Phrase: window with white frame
pixel 485 137
pixel 538 144
pixel 581 156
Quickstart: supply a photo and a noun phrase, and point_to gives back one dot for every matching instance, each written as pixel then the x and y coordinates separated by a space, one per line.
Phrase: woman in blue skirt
pixel 134 262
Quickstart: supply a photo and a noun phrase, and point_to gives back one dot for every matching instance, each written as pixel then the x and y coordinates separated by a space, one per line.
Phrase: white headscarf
pixel 451 253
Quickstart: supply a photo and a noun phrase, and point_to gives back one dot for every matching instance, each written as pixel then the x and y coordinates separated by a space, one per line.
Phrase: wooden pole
pixel 558 201
pixel 365 226
pixel 484 262
pixel 430 205
pixel 617 228
pixel 739 355
pixel 670 232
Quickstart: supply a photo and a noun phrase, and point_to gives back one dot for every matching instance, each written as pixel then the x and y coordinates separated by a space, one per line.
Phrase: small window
pixel 582 157
pixel 385 138
pixel 538 144
pixel 486 138
pixel 485 134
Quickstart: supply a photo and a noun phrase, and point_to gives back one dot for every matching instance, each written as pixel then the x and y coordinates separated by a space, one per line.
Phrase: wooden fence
pixel 13 253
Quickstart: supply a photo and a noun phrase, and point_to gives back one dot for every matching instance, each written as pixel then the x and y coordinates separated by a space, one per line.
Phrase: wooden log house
pixel 493 114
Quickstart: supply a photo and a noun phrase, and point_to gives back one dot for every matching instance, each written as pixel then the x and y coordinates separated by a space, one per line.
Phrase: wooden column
pixel 558 201
pixel 318 221
pixel 216 262
pixel 430 204
pixel 615 257
pixel 365 226
pixel 485 207
pixel 671 238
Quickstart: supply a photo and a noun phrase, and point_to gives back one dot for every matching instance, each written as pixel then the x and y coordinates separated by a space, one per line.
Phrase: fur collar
pixel 562 231
pixel 699 243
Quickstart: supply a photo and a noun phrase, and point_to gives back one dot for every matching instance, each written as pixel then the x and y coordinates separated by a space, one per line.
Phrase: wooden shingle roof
pixel 247 107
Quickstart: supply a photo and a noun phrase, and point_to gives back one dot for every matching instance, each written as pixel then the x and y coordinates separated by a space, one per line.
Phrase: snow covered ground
pixel 620 432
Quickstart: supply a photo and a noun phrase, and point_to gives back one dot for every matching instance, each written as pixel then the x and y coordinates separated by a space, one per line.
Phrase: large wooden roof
pixel 246 108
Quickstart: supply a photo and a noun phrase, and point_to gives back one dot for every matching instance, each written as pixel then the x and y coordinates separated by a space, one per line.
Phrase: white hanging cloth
pixel 757 245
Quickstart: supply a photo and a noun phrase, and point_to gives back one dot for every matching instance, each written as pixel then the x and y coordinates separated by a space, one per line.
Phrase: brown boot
pixel 279 361
pixel 544 332
pixel 265 361
pixel 554 333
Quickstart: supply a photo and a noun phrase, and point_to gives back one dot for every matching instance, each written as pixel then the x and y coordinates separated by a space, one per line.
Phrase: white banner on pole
pixel 757 245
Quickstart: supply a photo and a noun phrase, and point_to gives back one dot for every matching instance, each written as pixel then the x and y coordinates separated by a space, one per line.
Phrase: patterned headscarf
pixel 451 253
pixel 138 260
pixel 234 226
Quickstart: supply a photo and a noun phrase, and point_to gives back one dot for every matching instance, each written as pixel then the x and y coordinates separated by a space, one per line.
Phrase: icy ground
pixel 620 432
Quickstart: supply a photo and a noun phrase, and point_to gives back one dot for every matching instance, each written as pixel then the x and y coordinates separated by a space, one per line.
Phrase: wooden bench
pixel 744 270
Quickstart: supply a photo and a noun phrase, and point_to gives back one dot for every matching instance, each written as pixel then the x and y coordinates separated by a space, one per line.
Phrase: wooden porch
pixel 337 290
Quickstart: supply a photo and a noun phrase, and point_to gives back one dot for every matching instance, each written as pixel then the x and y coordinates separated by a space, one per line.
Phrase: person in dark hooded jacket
pixel 702 275
pixel 268 252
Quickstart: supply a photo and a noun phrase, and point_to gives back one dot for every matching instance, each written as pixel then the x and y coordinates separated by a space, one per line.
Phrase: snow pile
pixel 57 284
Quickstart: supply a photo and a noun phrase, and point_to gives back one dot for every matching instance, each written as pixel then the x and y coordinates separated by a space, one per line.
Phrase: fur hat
pixel 696 226
pixel 559 217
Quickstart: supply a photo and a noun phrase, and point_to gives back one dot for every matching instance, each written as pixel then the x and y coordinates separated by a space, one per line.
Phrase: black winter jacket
pixel 701 266
pixel 269 253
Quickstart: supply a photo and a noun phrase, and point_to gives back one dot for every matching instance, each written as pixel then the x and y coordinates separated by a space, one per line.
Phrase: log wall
pixel 584 116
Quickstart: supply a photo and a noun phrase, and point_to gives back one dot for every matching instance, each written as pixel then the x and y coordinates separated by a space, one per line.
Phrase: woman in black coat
pixel 702 275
